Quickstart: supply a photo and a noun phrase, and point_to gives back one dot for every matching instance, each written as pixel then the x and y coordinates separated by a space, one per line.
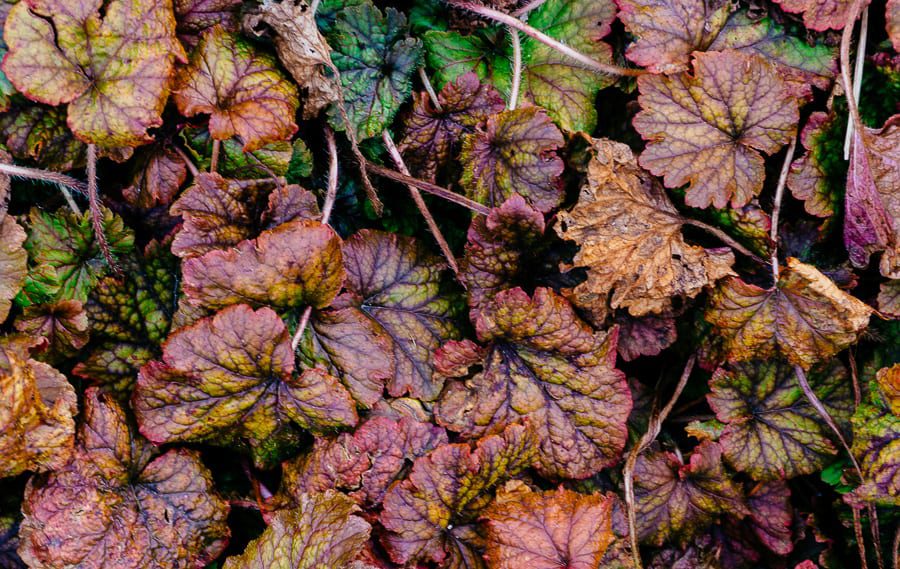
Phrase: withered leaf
pixel 546 366
pixel 630 239
pixel 805 317
pixel 708 129
pixel 121 503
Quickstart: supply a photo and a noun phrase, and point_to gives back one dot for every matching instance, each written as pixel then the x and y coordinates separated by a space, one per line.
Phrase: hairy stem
pixel 331 190
pixel 430 188
pixel 516 70
pixel 524 10
pixel 776 208
pixel 420 203
pixel 96 211
pixel 430 90
pixel 61 181
pixel 540 36
pixel 653 428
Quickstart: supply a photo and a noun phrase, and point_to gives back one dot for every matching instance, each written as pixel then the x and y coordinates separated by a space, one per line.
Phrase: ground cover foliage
pixel 550 283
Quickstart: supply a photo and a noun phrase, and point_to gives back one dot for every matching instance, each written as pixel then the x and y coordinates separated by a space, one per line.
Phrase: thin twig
pixel 846 36
pixel 895 550
pixel 776 208
pixel 331 190
pixel 301 327
pixel 524 10
pixel 653 428
pixel 214 157
pixel 61 181
pixel 725 238
pixel 430 188
pixel 857 73
pixel 420 203
pixel 192 168
pixel 430 90
pixel 858 533
pixel 516 70
pixel 314 6
pixel 96 211
pixel 540 36
pixel 876 534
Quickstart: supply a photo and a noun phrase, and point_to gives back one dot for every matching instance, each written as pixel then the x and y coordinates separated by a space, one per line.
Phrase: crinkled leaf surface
pixel 40 133
pixel 63 324
pixel 271 159
pixel 549 530
pixel 498 245
pixel 196 16
pixel 433 135
pixel 295 264
pixel 819 15
pixel 889 298
pixel 809 179
pixel 771 430
pixel 889 383
pixel 676 501
pixel 158 175
pixel 667 31
pixel 430 515
pixel 37 408
pixel 121 503
pixel 514 153
pixel 548 367
pixel 771 515
pixel 806 317
pixel 630 239
pixel 876 444
pixel 364 463
pixel 376 61
pixel 644 336
pixel 13 262
pixel 708 129
pixel 404 289
pixel 113 69
pixel 240 88
pixel 322 531
pixel 65 241
pixel 231 376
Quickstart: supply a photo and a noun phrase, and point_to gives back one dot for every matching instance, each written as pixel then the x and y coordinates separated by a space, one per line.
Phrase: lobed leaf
pixel 819 15
pixel 876 442
pixel 13 262
pixel 63 325
pixel 158 175
pixel 193 17
pixel 808 179
pixel 707 129
pixel 40 133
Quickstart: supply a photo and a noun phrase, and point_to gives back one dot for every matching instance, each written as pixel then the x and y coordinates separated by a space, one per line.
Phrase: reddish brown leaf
pixel 771 515
pixel 820 15
pixel 158 175
pixel 63 324
pixel 808 180
pixel 645 336
pixel 193 17
pixel 13 262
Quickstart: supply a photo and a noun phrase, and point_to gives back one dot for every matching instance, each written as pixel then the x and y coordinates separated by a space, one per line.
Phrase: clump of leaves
pixel 606 301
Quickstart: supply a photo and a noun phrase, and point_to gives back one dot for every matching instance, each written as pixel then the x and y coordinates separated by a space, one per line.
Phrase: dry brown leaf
pixel 631 242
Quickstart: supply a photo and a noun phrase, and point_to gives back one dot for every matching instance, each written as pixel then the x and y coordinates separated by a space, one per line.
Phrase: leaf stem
pixel 540 36
pixel 524 10
pixel 516 70
pixel 430 90
pixel 653 428
pixel 857 72
pixel 420 203
pixel 430 188
pixel 725 238
pixel 96 212
pixel 776 208
pixel 214 157
pixel 331 190
pixel 301 327
pixel 192 168
pixel 63 182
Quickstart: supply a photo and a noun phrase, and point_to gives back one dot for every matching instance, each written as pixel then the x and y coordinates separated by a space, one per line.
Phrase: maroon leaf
pixel 158 175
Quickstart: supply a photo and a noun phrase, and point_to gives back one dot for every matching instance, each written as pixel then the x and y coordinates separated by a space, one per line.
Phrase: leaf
pixel 872 208
pixel 404 289
pixel 549 530
pixel 771 515
pixel 37 408
pixel 65 241
pixel 667 32
pixel 231 377
pixel 544 365
pixel 708 129
pixel 111 61
pixel 451 55
pixel 889 298
pixel 193 17
pixel 819 15
pixel 363 463
pixel 321 532
pixel 218 213
pixel 271 160
pixel 772 432
pixel 809 178
pixel 644 336
pixel 287 203
pixel 63 324
pixel 432 136
pixel 801 65
pixel 158 175
pixel 630 238
pixel 676 501
pixel 430 515
pixel 240 88
pixel 498 247
pixel 889 383
pixel 296 264
pixel 302 50
pixel 130 316
pixel 805 317
pixel 13 262
pixel 892 22
pixel 40 133
pixel 876 442
pixel 376 62
pixel 120 502
pixel 514 153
